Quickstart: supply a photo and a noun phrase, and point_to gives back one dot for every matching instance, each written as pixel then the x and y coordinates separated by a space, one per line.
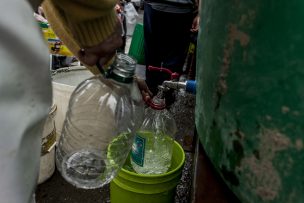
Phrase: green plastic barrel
pixel 137 44
pixel 130 187
pixel 250 93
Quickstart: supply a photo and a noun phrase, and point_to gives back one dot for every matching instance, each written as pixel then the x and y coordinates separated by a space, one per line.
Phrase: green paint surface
pixel 250 96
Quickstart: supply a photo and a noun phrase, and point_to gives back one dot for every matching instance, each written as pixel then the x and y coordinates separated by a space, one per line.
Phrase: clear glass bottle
pixel 153 144
pixel 104 112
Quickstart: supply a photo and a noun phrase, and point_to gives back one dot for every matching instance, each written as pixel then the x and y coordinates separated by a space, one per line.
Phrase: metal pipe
pixel 188 86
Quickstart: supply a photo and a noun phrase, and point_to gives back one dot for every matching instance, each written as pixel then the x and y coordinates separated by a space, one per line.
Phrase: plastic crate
pixel 137 44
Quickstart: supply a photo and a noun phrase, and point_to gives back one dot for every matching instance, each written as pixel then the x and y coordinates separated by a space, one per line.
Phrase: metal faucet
pixel 188 85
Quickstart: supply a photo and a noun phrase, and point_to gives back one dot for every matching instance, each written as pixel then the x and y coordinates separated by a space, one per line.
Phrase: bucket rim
pixel 142 190
pixel 163 174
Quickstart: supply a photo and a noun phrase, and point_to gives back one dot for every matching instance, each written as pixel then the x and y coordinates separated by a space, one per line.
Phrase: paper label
pixel 48 142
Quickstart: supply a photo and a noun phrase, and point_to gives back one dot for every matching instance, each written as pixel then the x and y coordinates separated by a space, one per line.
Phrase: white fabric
pixel 25 98
pixel 131 13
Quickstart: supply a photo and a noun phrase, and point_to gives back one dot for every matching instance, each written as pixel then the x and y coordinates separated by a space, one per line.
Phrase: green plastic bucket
pixel 130 187
pixel 137 44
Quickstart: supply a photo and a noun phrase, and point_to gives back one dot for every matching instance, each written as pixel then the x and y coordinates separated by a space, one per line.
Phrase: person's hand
pixel 40 16
pixel 195 24
pixel 145 92
pixel 40 11
pixel 118 8
pixel 102 52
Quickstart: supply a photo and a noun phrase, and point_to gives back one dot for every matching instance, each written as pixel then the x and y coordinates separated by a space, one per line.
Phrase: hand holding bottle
pixel 102 52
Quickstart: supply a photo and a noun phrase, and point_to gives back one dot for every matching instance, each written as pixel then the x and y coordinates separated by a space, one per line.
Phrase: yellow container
pixel 55 45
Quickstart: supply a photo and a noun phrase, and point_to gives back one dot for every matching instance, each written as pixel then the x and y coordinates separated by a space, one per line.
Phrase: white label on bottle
pixel 138 150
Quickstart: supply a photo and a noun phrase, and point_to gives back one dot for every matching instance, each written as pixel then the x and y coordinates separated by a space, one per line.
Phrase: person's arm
pixel 196 20
pixel 195 24
pixel 84 24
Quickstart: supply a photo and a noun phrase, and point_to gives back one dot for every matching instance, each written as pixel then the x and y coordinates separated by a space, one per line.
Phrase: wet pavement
pixel 57 190
pixel 183 189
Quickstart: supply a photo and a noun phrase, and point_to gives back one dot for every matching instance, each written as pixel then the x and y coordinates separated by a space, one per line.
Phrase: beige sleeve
pixel 84 10
pixel 81 23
